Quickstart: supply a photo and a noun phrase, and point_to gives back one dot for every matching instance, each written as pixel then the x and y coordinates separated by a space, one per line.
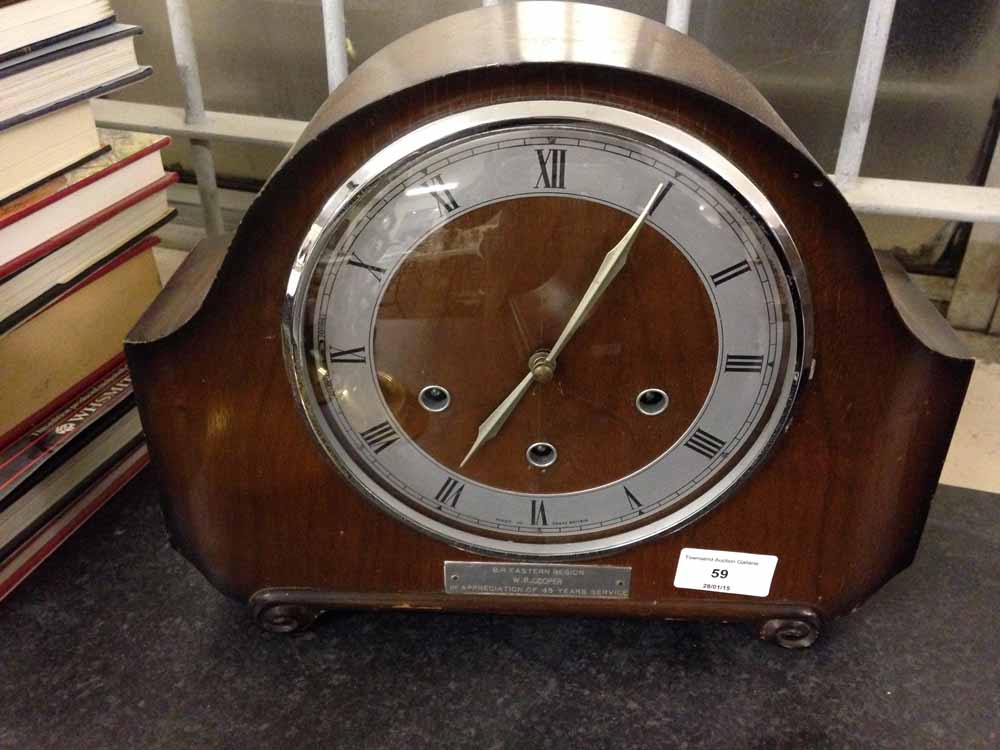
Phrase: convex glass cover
pixel 547 328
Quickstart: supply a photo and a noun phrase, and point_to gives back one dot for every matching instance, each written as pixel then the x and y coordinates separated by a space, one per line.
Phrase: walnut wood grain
pixel 254 502
pixel 477 298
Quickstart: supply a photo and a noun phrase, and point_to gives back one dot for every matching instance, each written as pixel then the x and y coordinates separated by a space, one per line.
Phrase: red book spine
pixel 41 203
pixel 57 241
pixel 26 424
pixel 141 246
pixel 63 526
pixel 21 458
pixel 60 401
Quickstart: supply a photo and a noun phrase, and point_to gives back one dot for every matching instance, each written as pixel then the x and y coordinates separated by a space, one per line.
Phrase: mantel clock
pixel 547 312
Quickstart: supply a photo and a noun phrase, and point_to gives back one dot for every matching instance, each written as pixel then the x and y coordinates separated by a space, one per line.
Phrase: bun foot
pixel 791 633
pixel 283 611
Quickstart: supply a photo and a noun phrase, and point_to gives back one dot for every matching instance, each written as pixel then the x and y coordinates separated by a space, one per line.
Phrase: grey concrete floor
pixel 116 642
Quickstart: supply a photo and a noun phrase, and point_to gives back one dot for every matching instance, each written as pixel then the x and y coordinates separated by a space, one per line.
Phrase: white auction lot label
pixel 725 572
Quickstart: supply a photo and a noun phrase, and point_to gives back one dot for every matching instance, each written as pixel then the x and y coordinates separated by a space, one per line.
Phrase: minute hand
pixel 610 266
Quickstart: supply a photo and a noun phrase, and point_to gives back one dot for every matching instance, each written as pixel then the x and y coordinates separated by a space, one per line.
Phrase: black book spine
pixel 42 43
pixel 36 454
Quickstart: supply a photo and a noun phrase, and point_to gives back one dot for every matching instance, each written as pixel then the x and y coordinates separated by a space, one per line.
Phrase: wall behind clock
pixel 934 106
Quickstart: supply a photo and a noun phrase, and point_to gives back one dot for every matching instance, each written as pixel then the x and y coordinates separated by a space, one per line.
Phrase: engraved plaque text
pixel 537 579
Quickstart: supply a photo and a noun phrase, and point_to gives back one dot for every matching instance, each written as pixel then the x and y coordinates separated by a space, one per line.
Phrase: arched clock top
pixel 358 389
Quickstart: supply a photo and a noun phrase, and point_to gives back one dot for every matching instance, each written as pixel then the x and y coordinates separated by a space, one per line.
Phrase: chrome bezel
pixel 547 112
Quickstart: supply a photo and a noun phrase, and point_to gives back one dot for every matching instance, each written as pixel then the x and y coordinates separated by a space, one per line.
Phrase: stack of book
pixel 78 208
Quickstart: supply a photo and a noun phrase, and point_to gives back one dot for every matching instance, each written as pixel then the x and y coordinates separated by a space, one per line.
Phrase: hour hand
pixel 492 424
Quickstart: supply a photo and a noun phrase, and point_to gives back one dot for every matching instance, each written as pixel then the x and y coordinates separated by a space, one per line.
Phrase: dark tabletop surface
pixel 117 642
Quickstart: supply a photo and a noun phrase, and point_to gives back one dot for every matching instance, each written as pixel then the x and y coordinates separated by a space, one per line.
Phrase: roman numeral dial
pixel 705 443
pixel 375 271
pixel 633 501
pixel 380 437
pixel 744 363
pixel 355 356
pixel 545 335
pixel 441 192
pixel 551 168
pixel 538 514
pixel 450 492
pixel 730 273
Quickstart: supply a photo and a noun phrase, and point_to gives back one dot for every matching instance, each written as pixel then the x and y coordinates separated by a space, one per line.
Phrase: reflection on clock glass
pixel 552 332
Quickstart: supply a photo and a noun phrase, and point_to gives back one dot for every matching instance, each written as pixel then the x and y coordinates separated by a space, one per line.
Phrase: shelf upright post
pixel 179 17
pixel 678 15
pixel 335 39
pixel 863 90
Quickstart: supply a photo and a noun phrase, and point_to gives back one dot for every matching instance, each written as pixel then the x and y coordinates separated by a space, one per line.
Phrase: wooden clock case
pixel 252 500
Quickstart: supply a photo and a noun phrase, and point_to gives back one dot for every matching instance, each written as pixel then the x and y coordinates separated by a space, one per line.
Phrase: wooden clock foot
pixel 285 610
pixel 791 633
pixel 294 610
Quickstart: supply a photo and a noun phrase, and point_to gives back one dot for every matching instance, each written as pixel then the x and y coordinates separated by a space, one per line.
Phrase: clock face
pixel 547 328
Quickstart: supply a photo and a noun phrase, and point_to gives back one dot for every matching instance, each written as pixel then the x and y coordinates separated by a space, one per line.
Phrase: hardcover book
pixel 52 351
pixel 27 460
pixel 56 491
pixel 78 67
pixel 28 288
pixel 61 401
pixel 49 216
pixel 76 271
pixel 24 558
pixel 32 24
pixel 45 147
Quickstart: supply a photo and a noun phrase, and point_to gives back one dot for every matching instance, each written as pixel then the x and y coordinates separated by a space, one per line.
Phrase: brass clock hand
pixel 492 424
pixel 610 266
pixel 541 370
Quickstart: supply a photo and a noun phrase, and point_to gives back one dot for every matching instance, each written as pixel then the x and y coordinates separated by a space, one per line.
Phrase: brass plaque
pixel 537 579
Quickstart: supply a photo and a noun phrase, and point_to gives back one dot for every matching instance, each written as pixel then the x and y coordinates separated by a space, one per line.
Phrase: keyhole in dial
pixel 652 401
pixel 542 455
pixel 434 398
